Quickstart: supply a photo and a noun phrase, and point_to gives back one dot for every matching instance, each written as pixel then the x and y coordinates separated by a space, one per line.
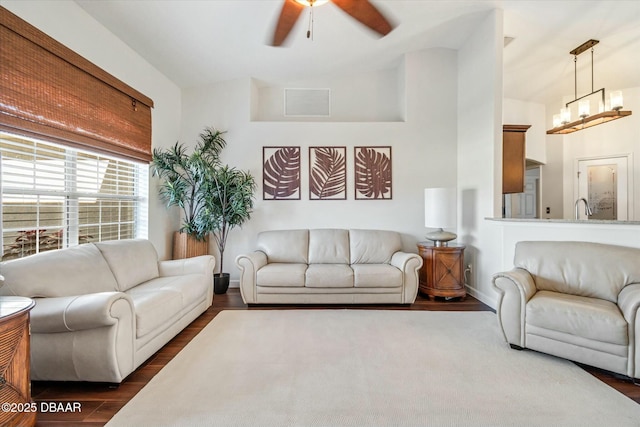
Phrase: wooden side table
pixel 442 272
pixel 15 383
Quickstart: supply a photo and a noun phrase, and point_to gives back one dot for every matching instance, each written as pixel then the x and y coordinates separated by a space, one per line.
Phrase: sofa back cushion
pixel 373 246
pixel 132 261
pixel 289 246
pixel 328 246
pixel 580 268
pixel 77 270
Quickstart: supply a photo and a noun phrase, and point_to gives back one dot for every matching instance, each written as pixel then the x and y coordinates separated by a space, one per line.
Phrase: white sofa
pixel 575 300
pixel 329 266
pixel 102 309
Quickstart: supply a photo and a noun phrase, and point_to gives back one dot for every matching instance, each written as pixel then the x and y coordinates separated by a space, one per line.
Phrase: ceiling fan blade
pixel 289 14
pixel 367 14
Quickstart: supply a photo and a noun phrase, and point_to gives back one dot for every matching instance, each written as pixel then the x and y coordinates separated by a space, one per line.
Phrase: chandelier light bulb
pixel 616 100
pixel 565 115
pixel 557 120
pixel 584 108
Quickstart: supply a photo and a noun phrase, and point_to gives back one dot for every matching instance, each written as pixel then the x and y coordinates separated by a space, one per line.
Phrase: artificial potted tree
pixel 183 184
pixel 228 204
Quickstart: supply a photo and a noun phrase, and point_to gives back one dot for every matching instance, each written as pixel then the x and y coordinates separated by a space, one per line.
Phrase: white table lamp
pixel 440 213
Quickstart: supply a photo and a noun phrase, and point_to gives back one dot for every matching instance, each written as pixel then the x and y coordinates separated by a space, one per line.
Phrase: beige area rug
pixel 368 368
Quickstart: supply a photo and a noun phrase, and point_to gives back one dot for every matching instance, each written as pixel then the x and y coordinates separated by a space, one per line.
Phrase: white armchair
pixel 575 300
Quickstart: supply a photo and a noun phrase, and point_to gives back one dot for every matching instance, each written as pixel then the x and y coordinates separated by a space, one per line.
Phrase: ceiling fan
pixel 360 10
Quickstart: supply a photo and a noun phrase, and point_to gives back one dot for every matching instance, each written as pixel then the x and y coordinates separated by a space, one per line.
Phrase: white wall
pixel 480 151
pixel 69 24
pixel 423 151
pixel 375 96
pixel 551 188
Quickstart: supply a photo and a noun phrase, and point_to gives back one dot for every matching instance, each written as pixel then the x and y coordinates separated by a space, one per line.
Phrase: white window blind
pixel 54 197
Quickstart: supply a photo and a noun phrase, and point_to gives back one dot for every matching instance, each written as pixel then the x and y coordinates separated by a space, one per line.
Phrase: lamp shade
pixel 439 207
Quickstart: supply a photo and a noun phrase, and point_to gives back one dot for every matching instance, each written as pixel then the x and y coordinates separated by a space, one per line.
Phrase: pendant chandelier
pixel 608 109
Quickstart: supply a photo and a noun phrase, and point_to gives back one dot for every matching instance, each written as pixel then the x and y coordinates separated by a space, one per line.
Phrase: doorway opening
pixel 526 204
pixel 604 183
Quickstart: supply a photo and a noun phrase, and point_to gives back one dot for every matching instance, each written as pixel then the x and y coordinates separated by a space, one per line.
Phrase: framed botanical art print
pixel 327 173
pixel 281 173
pixel 372 173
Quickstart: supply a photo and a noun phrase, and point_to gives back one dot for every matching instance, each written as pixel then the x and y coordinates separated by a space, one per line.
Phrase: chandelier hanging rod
pixel 575 52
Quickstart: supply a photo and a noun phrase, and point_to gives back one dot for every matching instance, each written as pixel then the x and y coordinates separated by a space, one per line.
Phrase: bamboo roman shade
pixel 47 90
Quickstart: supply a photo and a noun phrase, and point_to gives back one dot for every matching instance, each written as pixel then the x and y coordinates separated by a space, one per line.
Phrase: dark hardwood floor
pixel 99 402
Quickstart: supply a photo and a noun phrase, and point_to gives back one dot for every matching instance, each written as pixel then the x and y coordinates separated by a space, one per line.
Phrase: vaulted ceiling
pixel 201 42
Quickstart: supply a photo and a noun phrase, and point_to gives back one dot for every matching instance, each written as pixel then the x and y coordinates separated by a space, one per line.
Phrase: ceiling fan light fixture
pixel 312 3
pixel 362 11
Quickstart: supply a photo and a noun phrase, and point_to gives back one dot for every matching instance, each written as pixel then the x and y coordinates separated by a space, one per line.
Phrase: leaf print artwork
pixel 281 173
pixel 372 173
pixel 327 173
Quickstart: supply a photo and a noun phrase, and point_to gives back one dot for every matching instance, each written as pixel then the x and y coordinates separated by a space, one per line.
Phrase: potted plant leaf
pixel 228 204
pixel 183 183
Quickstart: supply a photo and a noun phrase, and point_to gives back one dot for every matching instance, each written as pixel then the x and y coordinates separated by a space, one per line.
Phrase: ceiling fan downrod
pixel 310 28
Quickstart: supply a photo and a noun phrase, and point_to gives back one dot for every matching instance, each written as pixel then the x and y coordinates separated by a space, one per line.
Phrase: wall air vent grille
pixel 307 102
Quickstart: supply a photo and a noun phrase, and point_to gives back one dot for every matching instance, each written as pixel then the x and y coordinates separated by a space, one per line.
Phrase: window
pixel 55 196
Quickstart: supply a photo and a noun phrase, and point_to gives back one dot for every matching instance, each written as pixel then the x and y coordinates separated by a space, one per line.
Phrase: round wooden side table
pixel 442 272
pixel 15 383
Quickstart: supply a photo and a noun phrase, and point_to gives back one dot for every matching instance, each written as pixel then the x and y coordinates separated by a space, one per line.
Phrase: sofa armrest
pixel 629 304
pixel 203 264
pixel 514 289
pixel 402 260
pixel 249 265
pixel 409 264
pixel 80 312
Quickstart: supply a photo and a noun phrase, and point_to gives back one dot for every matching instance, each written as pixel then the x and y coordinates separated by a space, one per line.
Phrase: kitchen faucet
pixel 587 210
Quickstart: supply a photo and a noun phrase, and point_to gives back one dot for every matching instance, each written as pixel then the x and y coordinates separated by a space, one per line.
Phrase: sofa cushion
pixel 591 318
pixel 376 276
pixel 132 261
pixel 154 305
pixel 191 287
pixel 329 276
pixel 76 270
pixel 373 246
pixel 580 268
pixel 278 274
pixel 328 246
pixel 285 246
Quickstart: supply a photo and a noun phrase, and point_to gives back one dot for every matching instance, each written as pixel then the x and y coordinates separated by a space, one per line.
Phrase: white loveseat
pixel 326 266
pixel 102 309
pixel 575 300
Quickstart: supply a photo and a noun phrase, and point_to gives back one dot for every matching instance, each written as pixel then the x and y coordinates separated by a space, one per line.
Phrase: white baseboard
pixel 482 297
